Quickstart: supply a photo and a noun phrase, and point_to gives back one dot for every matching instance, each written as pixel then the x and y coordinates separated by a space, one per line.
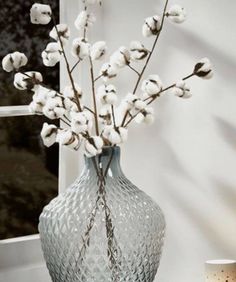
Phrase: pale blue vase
pixel 103 228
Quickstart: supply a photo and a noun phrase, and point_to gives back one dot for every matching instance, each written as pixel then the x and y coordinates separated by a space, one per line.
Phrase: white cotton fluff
pixel 69 91
pixel 84 20
pixel 120 58
pixel 14 61
pixel 28 80
pixel 204 69
pixel 62 30
pixel 181 90
pixel 151 26
pixel 68 138
pixel 81 122
pixel 40 14
pixel 93 146
pixel 105 115
pixel 98 50
pixel 115 135
pixel 137 51
pixel 152 85
pixel 145 116
pixel 36 108
pixel 176 14
pixel 80 48
pixel 108 71
pixel 54 108
pixel 52 54
pixel 106 94
pixel 128 102
pixel 49 134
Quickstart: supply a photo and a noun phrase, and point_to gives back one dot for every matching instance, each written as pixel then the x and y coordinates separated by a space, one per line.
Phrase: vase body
pixel 103 228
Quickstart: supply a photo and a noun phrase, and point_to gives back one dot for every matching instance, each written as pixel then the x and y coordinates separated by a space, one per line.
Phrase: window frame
pixel 25 252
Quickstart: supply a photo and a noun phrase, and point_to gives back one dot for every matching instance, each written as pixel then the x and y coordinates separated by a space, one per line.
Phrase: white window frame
pixel 21 254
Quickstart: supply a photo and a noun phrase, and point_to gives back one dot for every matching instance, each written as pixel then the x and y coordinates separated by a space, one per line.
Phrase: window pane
pixel 28 175
pixel 18 34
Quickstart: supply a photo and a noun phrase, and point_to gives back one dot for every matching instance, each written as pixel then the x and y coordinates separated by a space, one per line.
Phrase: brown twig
pixel 94 97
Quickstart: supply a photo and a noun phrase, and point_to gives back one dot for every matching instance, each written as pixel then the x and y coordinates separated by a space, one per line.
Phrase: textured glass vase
pixel 103 228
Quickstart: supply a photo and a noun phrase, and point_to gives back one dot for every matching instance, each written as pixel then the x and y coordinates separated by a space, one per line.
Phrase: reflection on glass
pixel 28 175
pixel 18 34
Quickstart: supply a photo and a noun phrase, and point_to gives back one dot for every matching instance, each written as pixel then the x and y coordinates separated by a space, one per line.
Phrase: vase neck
pixel 108 162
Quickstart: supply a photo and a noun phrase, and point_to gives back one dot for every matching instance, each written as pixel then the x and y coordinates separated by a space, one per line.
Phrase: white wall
pixel 186 161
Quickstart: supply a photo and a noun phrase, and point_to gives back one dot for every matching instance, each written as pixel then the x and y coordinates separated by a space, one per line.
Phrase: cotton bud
pixel 36 108
pixel 108 71
pixel 93 146
pixel 52 54
pixel 137 51
pixel 62 30
pixel 14 61
pixel 151 26
pixel 49 134
pixel 84 20
pixel 98 50
pixel 54 108
pixel 106 94
pixel 152 85
pixel 176 14
pixel 120 58
pixel 80 48
pixel 28 80
pixel 40 14
pixel 81 122
pixel 68 138
pixel 105 115
pixel 203 69
pixel 145 116
pixel 115 135
pixel 182 90
pixel 70 93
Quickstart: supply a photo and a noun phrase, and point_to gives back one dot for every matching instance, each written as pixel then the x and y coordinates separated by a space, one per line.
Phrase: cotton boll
pixel 137 51
pixel 93 146
pixel 81 122
pixel 14 61
pixel 49 134
pixel 108 71
pixel 84 20
pixel 68 138
pixel 176 14
pixel 27 81
pixel 98 50
pixel 69 91
pixel 115 135
pixel 106 94
pixel 40 14
pixel 105 115
pixel 151 26
pixel 36 108
pixel 145 116
pixel 128 101
pixel 152 85
pixel 120 58
pixel 80 48
pixel 63 31
pixel 182 90
pixel 54 108
pixel 204 69
pixel 52 54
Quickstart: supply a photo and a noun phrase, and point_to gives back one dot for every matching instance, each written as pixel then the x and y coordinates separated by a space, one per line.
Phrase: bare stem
pixel 113 115
pixel 75 65
pixel 94 96
pixel 133 69
pixel 97 78
pixel 67 67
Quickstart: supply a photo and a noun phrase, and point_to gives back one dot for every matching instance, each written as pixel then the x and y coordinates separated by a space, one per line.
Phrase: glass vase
pixel 103 228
